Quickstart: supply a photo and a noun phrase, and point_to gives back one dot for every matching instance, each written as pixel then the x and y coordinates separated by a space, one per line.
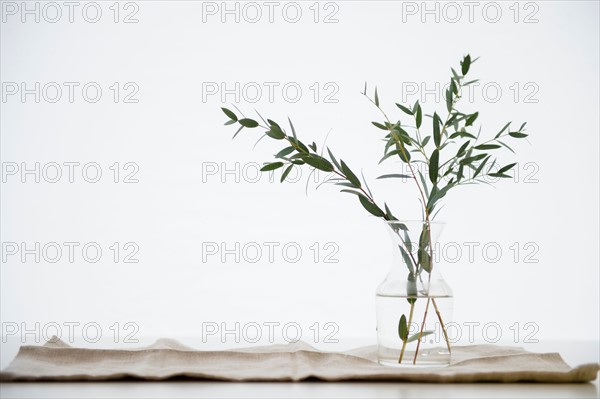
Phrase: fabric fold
pixel 167 358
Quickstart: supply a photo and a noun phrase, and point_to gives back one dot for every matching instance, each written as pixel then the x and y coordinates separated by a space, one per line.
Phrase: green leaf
pixel 502 130
pixel 275 133
pixel 424 237
pixel 422 253
pixel 284 152
pixel 286 172
pixel 297 144
pixel 455 74
pixel 365 183
pixel 517 135
pixel 459 174
pixel 400 134
pixel 436 130
pixel 230 122
pixel 350 175
pixel 424 183
pixel 465 64
pixel 379 125
pixel 506 146
pixel 401 226
pixel 357 193
pixel 389 154
pixel 345 184
pixel 449 100
pixel 239 130
pixel 418 116
pixel 394 175
pixel 390 141
pixel 522 126
pixel 318 162
pixel 462 149
pixel 471 119
pixel 292 127
pixel 388 213
pixel 453 86
pixel 425 141
pixel 450 169
pixel 259 139
pixel 436 195
pixel 230 114
pixel 335 162
pixel 472 159
pixel 406 240
pixel 403 154
pixel 273 123
pixel 271 166
pixel 506 168
pixel 405 109
pixel 433 166
pixel 246 122
pixel 415 336
pixel 480 167
pixel 407 259
pixel 261 117
pixel 403 328
pixel 462 134
pixel 470 82
pixel 370 207
pixel 487 146
pixel 423 256
pixel 376 98
pixel 502 175
pixel 424 260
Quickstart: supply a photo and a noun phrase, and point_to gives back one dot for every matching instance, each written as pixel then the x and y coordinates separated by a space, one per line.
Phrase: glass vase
pixel 414 303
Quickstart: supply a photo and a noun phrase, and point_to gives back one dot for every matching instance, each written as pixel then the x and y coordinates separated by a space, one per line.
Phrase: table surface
pixel 574 353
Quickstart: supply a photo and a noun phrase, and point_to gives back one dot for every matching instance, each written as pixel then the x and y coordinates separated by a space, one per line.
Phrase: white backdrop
pixel 175 191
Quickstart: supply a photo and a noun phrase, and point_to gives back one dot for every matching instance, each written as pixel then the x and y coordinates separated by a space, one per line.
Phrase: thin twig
pixel 421 332
pixel 410 316
pixel 439 315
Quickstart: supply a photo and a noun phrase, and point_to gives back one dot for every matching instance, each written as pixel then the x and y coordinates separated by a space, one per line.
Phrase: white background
pixel 175 134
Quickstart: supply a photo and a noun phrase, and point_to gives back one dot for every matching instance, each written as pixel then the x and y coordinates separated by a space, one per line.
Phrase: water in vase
pixel 425 334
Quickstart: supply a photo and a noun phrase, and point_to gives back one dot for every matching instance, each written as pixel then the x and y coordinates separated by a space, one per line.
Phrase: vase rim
pixel 414 221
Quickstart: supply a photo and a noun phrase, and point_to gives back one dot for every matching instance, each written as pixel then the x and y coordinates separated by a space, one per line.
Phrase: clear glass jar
pixel 414 303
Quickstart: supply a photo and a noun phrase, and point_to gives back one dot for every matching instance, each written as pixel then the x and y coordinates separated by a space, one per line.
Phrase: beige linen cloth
pixel 57 361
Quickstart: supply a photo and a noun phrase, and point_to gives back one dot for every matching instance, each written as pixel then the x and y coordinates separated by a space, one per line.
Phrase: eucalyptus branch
pixel 405 341
pixel 478 156
pixel 297 154
pixel 422 329
pixel 468 155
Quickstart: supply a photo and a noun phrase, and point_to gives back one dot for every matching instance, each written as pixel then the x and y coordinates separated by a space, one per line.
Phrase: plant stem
pixel 472 146
pixel 454 102
pixel 414 176
pixel 430 253
pixel 429 280
pixel 410 317
pixel 370 198
pixel 421 332
pixel 439 315
pixel 360 188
